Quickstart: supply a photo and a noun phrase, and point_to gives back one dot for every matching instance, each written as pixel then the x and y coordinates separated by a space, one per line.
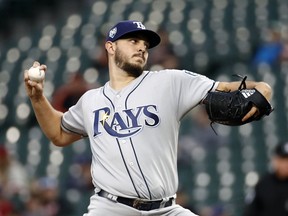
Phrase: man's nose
pixel 142 46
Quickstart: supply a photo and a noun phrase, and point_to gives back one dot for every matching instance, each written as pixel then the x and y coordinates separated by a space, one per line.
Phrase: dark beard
pixel 131 69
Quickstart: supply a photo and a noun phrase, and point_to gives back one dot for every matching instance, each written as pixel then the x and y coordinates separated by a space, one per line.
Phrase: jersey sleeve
pixel 190 88
pixel 72 120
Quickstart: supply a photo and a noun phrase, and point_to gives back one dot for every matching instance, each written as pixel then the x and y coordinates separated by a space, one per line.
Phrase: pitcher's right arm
pixel 48 118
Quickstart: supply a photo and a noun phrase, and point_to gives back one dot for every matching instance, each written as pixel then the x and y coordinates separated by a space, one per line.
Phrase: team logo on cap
pixel 139 25
pixel 113 32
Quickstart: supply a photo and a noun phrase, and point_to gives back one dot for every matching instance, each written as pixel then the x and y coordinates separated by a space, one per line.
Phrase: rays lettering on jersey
pixel 117 126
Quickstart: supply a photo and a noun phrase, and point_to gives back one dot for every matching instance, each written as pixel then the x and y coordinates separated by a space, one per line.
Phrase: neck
pixel 119 78
pixel 119 82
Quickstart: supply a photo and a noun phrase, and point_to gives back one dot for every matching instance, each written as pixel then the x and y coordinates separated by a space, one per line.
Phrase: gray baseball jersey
pixel 133 132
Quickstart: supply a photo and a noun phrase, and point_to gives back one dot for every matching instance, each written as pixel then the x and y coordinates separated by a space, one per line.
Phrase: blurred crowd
pixel 23 195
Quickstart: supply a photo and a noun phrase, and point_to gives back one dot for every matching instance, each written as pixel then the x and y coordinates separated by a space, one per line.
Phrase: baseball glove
pixel 229 108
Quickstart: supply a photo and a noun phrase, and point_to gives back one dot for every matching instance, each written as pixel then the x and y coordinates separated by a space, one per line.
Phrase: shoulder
pixel 93 91
pixel 171 71
pixel 174 73
pixel 266 179
pixel 180 78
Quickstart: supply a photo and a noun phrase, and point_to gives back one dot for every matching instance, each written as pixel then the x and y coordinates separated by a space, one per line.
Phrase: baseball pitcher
pixel 132 123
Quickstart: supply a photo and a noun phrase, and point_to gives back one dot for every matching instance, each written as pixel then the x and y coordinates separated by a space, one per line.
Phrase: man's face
pixel 280 165
pixel 131 55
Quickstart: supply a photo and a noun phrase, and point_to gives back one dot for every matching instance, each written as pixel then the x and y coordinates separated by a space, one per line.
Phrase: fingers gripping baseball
pixel 34 80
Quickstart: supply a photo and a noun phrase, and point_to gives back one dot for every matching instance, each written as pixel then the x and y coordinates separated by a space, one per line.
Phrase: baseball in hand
pixel 35 74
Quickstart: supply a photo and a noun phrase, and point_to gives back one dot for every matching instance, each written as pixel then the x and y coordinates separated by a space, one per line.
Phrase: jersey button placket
pixel 130 161
pixel 117 102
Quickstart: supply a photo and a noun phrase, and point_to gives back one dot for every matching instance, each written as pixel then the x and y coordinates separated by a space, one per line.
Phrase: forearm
pixel 262 87
pixel 48 118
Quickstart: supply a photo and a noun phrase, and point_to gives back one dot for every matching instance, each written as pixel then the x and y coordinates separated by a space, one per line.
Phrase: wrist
pixel 37 99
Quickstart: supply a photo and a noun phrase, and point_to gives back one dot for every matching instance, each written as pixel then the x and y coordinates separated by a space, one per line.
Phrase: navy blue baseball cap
pixel 281 149
pixel 131 26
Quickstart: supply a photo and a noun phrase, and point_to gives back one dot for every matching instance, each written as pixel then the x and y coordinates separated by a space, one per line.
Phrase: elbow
pixel 59 144
pixel 64 139
pixel 223 86
pixel 59 141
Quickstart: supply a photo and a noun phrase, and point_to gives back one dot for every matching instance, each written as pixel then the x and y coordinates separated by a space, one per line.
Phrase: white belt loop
pixel 108 195
pixel 112 197
pixel 166 199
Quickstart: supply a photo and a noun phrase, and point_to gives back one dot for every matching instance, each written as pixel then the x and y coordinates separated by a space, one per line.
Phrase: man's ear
pixel 109 46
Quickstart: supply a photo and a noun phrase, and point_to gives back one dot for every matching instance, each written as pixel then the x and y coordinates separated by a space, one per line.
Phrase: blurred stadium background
pixel 216 38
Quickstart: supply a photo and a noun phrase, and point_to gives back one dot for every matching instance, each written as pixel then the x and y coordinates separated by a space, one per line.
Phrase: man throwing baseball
pixel 132 123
